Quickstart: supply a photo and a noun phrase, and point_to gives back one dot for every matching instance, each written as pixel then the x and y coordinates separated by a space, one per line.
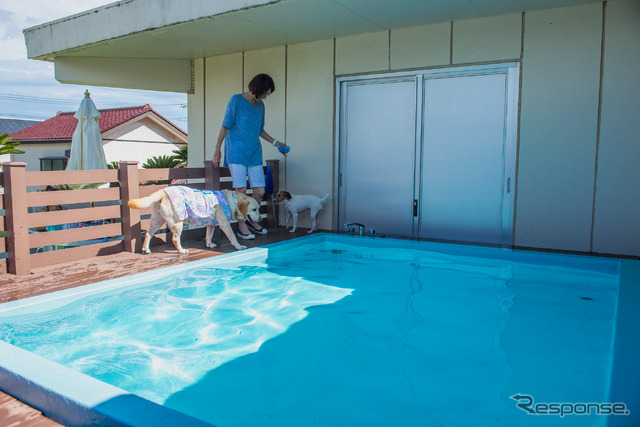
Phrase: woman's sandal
pixel 260 230
pixel 248 236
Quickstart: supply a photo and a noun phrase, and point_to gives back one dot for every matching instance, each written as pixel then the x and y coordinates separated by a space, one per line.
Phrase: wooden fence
pixel 95 221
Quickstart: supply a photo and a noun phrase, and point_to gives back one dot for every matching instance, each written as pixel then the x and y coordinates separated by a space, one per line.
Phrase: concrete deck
pixel 69 275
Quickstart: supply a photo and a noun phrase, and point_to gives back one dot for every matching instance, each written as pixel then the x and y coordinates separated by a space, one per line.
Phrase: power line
pixel 57 101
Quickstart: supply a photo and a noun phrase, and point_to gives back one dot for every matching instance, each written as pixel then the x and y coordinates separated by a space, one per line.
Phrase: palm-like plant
pixel 182 154
pixel 8 147
pixel 161 162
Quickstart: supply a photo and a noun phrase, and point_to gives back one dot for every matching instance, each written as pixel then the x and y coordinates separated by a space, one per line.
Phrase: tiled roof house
pixel 10 126
pixel 128 133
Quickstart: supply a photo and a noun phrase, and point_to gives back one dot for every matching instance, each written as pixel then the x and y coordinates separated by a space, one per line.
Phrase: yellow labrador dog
pixel 176 205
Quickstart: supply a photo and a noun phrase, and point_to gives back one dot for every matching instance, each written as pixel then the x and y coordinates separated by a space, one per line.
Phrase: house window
pixel 53 163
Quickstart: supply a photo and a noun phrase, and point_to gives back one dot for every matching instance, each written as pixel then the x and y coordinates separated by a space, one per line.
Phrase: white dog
pixel 297 204
pixel 176 205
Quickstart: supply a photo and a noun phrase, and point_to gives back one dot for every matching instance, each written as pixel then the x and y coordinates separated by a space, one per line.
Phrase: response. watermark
pixel 563 409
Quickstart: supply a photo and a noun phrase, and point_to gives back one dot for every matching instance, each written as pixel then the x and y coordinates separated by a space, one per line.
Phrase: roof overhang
pixel 150 44
pixel 175 29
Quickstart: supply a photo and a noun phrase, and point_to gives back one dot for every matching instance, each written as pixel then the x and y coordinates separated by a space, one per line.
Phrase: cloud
pixel 28 88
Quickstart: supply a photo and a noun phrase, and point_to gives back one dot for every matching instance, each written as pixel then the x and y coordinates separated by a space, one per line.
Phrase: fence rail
pixel 92 221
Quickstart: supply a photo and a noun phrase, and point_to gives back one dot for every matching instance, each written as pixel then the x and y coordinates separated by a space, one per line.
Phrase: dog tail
pixel 145 202
pixel 325 198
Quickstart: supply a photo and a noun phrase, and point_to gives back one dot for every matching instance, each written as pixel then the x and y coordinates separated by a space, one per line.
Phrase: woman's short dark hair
pixel 261 84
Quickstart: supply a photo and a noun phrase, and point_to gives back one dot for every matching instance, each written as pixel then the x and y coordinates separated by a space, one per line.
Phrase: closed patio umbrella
pixel 86 144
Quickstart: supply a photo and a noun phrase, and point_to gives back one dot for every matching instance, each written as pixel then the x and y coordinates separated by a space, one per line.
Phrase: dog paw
pixel 211 245
pixel 310 231
pixel 184 251
pixel 146 251
pixel 241 247
pixel 293 230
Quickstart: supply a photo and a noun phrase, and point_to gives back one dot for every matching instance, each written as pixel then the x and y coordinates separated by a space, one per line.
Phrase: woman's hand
pixel 217 155
pixel 283 149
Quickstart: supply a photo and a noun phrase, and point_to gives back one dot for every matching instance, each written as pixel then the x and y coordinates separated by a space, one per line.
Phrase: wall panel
pixel 558 127
pixel 487 39
pixel 310 96
pixel 617 217
pixel 424 46
pixel 272 62
pixel 223 78
pixel 363 53
pixel 195 115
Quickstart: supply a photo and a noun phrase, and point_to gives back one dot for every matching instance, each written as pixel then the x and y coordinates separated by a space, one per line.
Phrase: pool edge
pixel 31 378
pixel 75 399
pixel 625 373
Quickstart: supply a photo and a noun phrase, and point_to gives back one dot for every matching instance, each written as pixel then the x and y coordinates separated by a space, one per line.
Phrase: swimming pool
pixel 336 330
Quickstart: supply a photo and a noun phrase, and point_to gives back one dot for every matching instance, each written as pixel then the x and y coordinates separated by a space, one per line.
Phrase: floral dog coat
pixel 196 206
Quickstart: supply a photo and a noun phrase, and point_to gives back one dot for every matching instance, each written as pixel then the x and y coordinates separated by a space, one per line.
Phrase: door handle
pixel 508 185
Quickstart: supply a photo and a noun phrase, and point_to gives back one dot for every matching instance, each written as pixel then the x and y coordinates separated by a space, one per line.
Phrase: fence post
pixel 272 208
pixel 130 189
pixel 3 243
pixel 211 176
pixel 16 223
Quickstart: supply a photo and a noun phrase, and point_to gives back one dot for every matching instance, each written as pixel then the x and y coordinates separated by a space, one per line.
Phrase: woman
pixel 242 127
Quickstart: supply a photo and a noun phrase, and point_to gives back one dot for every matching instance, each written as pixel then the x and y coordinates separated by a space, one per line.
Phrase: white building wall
pixel 421 47
pixel 119 150
pixel 617 205
pixel 362 53
pixel 558 127
pixel 139 144
pixel 272 62
pixel 567 170
pixel 309 167
pixel 197 117
pixel 34 152
pixel 477 40
pixel 223 78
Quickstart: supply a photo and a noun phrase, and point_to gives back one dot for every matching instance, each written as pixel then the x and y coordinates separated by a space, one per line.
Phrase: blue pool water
pixel 335 330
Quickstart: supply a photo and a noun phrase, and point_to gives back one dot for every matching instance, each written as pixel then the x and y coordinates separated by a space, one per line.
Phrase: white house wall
pixel 139 145
pixel 575 186
pixel 33 152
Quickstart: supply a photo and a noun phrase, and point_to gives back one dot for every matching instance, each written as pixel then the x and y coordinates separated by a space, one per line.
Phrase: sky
pixel 28 88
